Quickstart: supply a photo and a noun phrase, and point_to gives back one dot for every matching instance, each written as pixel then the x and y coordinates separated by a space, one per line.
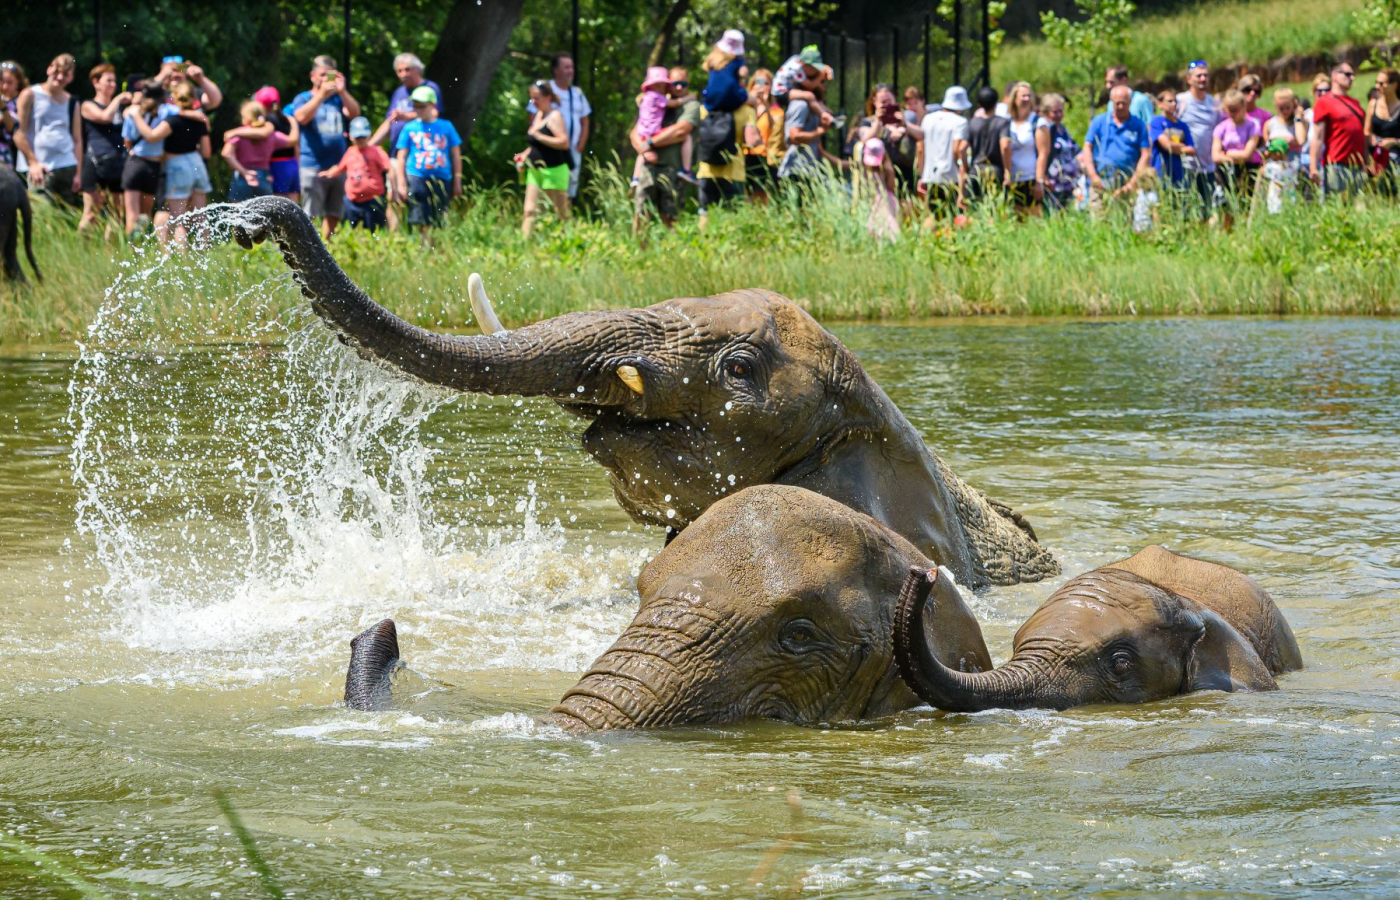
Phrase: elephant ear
pixel 1221 659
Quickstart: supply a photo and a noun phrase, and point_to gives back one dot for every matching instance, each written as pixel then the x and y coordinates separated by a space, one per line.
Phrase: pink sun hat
pixel 268 96
pixel 874 154
pixel 656 75
pixel 732 42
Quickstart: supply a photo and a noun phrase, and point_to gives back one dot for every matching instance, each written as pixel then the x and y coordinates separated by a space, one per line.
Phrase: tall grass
pixel 1311 259
pixel 1224 33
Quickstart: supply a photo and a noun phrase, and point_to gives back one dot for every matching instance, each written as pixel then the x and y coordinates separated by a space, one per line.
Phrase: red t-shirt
pixel 1346 137
pixel 364 172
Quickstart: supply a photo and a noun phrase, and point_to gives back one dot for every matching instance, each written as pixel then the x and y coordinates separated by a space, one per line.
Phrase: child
pixel 725 92
pixel 1173 149
pixel 1145 209
pixel 364 165
pixel 652 104
pixel 876 182
pixel 1281 175
pixel 249 155
pixel 428 164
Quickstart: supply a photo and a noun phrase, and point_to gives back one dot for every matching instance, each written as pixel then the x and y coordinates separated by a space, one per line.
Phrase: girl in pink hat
pixel 651 109
pixel 874 184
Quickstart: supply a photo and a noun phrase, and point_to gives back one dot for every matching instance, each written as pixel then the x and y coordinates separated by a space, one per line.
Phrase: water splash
pixel 272 496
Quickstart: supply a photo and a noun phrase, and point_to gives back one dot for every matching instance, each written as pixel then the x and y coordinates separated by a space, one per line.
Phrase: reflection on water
pixel 243 509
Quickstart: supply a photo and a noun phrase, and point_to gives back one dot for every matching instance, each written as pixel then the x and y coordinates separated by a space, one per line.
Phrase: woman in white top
pixel 1022 151
pixel 1287 123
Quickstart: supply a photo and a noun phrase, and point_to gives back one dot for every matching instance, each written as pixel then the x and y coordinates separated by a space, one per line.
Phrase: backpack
pixel 718 141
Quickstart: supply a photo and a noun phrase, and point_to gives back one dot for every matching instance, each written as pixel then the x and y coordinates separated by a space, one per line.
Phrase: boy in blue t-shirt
pixel 428 163
pixel 1172 144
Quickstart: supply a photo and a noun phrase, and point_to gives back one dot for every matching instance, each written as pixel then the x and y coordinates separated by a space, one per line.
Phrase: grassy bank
pixel 1312 259
pixel 1252 31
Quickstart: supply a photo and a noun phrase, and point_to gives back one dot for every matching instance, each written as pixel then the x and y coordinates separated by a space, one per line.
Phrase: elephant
pixel 776 603
pixel 690 400
pixel 14 211
pixel 1152 626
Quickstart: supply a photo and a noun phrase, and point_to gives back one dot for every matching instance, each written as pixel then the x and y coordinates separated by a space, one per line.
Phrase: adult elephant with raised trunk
pixel 690 400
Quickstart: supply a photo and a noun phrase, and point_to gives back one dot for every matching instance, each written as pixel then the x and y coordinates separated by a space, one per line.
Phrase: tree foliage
pixel 1379 21
pixel 1091 43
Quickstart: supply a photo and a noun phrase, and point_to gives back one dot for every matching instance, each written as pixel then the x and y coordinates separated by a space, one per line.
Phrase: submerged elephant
pixel 691 400
pixel 1152 626
pixel 776 603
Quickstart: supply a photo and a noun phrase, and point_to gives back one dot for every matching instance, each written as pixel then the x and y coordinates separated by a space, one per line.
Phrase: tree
pixel 1092 44
pixel 1379 21
pixel 473 42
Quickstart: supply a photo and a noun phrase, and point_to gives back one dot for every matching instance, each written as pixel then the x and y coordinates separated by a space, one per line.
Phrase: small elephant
pixel 14 211
pixel 1152 626
pixel 775 604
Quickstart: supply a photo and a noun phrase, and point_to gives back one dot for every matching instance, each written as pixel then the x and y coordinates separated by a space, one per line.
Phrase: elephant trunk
pixel 557 358
pixel 1016 685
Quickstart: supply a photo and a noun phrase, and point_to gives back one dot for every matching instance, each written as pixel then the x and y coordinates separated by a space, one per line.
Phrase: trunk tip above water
pixel 374 656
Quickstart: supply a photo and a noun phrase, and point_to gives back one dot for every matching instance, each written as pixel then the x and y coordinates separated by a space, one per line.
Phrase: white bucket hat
pixel 955 99
pixel 732 42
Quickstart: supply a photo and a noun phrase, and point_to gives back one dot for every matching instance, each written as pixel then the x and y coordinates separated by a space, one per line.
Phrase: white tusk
pixel 481 306
pixel 630 377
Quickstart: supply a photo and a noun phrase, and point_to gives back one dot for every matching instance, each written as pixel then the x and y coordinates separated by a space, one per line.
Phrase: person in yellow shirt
pixel 761 162
pixel 724 182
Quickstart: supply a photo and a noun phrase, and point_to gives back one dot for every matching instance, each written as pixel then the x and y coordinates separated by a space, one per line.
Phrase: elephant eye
pixel 800 636
pixel 1122 662
pixel 739 368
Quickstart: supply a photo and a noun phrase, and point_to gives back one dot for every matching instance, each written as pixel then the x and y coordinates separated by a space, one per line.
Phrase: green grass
pixel 1224 33
pixel 1312 259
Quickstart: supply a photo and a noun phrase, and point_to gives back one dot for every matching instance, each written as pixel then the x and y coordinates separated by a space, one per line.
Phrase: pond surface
pixel 191 534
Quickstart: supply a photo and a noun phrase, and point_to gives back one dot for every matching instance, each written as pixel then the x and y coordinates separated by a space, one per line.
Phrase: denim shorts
pixel 371 214
pixel 239 189
pixel 184 175
pixel 286 176
pixel 428 199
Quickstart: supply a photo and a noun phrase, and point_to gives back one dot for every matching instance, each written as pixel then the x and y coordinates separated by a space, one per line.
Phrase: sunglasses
pixel 680 84
pixel 1320 91
pixel 172 60
pixel 1251 90
pixel 761 81
pixel 1196 64
pixel 1347 73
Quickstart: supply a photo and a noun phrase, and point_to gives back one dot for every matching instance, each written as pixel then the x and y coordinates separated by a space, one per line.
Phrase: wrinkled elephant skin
pixel 692 400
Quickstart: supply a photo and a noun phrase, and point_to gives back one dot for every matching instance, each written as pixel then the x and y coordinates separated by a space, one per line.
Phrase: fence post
pixel 957 42
pixel 927 26
pixel 894 59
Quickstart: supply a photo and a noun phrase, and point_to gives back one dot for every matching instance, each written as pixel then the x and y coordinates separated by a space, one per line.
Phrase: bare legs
pixel 560 199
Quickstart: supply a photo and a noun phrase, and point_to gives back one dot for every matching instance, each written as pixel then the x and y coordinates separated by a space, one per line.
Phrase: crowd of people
pixel 136 153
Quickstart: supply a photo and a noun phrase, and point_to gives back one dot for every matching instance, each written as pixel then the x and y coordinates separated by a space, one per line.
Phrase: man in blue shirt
pixel 322 112
pixel 1116 150
pixel 1140 106
pixel 409 68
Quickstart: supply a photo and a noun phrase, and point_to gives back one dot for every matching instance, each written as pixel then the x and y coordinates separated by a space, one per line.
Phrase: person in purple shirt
pixel 409 68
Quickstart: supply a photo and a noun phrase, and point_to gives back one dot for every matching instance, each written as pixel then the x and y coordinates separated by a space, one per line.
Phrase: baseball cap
pixel 810 56
pixel 874 153
pixel 424 94
pixel 268 96
pixel 359 127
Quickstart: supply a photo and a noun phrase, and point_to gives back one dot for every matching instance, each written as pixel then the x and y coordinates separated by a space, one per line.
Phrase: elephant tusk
pixel 481 306
pixel 631 377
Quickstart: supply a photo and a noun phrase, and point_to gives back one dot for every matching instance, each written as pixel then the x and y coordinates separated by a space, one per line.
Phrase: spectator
pixel 874 186
pixel 1201 113
pixel 651 116
pixel 1280 174
pixel 284 165
pixel 249 153
pixel 1233 145
pixel 175 70
pixel 1062 171
pixel 984 136
pixel 364 166
pixel 1252 87
pixel 105 154
pixel 723 182
pixel 801 78
pixel 1338 160
pixel 884 120
pixel 803 129
pixel 724 90
pixel 48 116
pixel 915 108
pixel 1025 152
pixel 1141 106
pixel 321 114
pixel 944 175
pixel 1383 127
pixel 546 161
pixel 659 186
pixel 1003 108
pixel 409 69
pixel 186 137
pixel 1172 145
pixel 141 174
pixel 428 162
pixel 760 169
pixel 1321 84
pixel 1145 206
pixel 15 151
pixel 1287 124
pixel 578 114
pixel 1116 151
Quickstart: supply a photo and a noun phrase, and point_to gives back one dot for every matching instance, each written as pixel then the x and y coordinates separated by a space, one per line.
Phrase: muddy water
pixel 192 533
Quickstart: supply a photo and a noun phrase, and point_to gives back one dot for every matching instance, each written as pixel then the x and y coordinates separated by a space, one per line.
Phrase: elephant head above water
pixel 776 603
pixel 1151 626
pixel 691 400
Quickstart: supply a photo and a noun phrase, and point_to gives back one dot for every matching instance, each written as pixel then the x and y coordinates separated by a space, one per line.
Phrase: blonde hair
pixel 1322 79
pixel 1049 102
pixel 717 60
pixel 252 112
pixel 64 62
pixel 1232 100
pixel 182 95
pixel 1011 96
pixel 761 73
pixel 1283 95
